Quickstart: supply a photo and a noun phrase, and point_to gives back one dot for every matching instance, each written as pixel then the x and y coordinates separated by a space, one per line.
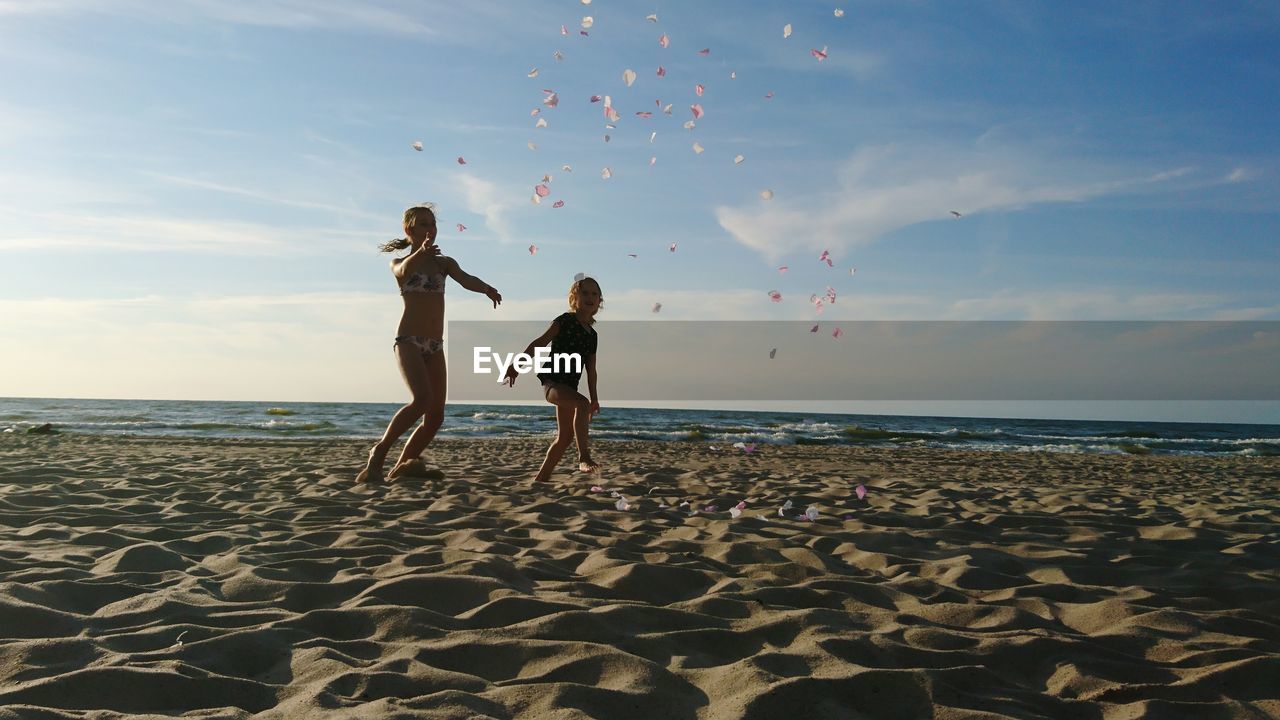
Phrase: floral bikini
pixel 422 283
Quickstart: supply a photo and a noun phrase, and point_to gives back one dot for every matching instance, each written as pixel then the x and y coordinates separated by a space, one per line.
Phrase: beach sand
pixel 236 579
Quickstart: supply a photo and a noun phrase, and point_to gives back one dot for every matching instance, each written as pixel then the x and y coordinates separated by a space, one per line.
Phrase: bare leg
pixel 414 371
pixel 437 379
pixel 581 432
pixel 566 402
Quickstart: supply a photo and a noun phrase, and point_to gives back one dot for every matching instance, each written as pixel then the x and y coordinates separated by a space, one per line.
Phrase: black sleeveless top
pixel 572 338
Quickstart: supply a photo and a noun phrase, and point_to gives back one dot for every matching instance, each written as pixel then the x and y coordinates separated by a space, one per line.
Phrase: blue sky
pixel 190 191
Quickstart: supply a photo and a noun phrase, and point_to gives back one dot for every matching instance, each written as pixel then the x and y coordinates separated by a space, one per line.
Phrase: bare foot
pixel 587 465
pixel 372 472
pixel 415 468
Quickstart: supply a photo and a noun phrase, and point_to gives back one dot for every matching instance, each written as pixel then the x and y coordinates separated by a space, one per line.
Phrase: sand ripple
pixel 236 579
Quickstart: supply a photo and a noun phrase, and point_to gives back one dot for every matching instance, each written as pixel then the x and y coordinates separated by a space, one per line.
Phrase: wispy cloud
pixel 485 198
pixel 262 196
pixel 886 187
pixel 164 234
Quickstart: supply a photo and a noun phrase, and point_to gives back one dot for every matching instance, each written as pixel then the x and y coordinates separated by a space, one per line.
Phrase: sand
pixel 236 579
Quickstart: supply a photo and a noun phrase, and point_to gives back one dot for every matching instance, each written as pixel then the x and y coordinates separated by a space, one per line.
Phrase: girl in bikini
pixel 419 345
pixel 572 332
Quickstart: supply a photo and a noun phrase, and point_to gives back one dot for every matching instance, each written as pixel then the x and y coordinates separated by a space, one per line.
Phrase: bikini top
pixel 423 283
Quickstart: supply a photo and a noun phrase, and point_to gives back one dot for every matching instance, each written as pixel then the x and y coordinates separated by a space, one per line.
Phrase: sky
pixel 191 191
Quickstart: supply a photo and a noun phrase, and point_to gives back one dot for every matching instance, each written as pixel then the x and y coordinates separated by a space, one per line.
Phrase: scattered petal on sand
pixel 558 204
pixel 461 227
pixel 461 161
pixel 773 353
pixel 735 513
pixel 737 160
pixel 837 333
pixel 710 508
pixel 697 148
pixel 699 89
pixel 542 122
pixel 657 307
pixel 605 174
pixel 813 329
pixel 671 248
pixel 742 505
pixel 651 18
pixel 664 41
pixel 786 31
pixel 533 73
pixel 662 72
pixel 782 269
pixel 623 505
pixel 541 190
pixel 533 249
pixel 839 12
pixel 697 111
pixel 628 76
pixel 417 145
pixel 811 513
pixel 782 511
pixel 775 296
pixel 819 54
pixel 704 52
pixel 597 489
pixel 861 492
pixel 587 22
pixel 745 447
pixel 766 194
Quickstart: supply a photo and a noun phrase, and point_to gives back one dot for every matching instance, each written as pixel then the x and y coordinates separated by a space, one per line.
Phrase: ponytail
pixel 394 245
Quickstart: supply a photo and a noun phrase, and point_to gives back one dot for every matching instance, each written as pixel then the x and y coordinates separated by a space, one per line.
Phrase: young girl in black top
pixel 572 332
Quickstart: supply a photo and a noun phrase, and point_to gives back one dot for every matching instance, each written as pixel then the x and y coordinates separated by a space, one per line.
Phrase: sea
pixel 210 419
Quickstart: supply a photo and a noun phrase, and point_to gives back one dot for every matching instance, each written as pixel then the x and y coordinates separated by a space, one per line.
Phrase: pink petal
pixel 786 31
pixel 628 76
pixel 606 173
pixel 534 112
pixel 838 332
pixel 461 161
pixel 813 329
pixel 588 21
pixel 819 54
pixel 733 75
pixel 775 296
pixel 742 505
pixel 766 194
pixel 768 95
pixel 782 269
pixel 672 248
pixel 697 148
pixel 558 204
pixel 657 307
pixel 461 227
pixel 734 513
pixel 542 190
pixel 564 30
pixel 417 145
pixel 825 254
pixel 551 100
pixel 709 508
pixel 533 249
pixel 597 489
pixel 584 33
pixel 662 72
pixel 664 41
pixel 861 491
pixel 697 111
pixel 704 52
pixel 612 114
pixel 644 114
pixel 699 89
pixel 596 98
pixel 653 160
pixel 632 255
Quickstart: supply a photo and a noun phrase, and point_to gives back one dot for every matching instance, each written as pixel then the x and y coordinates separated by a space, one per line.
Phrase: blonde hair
pixel 573 297
pixel 412 217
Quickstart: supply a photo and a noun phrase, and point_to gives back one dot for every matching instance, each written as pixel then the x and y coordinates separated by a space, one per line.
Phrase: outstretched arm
pixel 591 384
pixel 471 282
pixel 541 341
